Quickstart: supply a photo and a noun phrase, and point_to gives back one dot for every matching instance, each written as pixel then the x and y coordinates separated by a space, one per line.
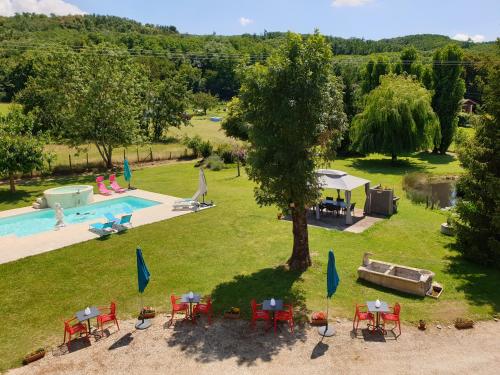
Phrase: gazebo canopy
pixel 340 180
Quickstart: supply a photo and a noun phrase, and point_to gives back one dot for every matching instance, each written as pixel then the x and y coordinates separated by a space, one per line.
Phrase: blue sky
pixel 370 19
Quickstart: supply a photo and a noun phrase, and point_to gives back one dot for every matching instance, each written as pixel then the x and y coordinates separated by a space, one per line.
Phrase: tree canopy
pixel 20 151
pixel 449 89
pixel 398 118
pixel 294 105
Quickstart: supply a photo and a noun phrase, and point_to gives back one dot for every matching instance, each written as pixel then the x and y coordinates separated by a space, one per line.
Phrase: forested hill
pixel 76 31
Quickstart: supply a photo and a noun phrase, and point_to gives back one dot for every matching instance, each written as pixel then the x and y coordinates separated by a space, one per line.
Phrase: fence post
pixel 137 150
pixel 170 157
pixel 151 151
pixel 88 161
pixel 124 157
pixel 70 166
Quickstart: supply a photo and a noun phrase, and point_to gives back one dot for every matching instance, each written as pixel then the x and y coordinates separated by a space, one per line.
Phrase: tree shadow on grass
pixel 479 284
pixel 431 158
pixel 384 166
pixel 234 338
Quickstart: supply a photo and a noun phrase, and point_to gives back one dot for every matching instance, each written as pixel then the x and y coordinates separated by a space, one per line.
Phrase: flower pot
pixel 421 325
pixel 464 323
pixel 319 322
pixel 447 229
pixel 35 356
pixel 147 313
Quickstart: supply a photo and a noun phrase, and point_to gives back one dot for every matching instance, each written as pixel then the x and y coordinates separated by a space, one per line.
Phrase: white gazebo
pixel 340 180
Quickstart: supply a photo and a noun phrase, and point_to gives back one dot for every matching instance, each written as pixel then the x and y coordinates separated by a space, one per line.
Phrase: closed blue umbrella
pixel 332 282
pixel 127 172
pixel 143 277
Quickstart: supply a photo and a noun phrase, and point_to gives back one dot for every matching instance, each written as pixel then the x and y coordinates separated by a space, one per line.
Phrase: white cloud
pixel 245 21
pixel 350 3
pixel 465 37
pixel 58 7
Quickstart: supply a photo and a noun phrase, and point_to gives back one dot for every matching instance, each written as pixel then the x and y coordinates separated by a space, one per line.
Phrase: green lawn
pixel 232 252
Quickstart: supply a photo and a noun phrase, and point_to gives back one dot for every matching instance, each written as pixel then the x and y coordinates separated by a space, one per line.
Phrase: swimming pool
pixel 44 220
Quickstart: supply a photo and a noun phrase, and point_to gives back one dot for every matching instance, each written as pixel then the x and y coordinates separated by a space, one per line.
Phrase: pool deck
pixel 13 248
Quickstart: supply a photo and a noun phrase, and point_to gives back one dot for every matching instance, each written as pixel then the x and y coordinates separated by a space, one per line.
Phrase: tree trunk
pixel 394 158
pixel 11 182
pixel 109 156
pixel 300 259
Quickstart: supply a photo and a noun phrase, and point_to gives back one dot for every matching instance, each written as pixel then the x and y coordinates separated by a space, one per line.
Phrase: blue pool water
pixel 44 220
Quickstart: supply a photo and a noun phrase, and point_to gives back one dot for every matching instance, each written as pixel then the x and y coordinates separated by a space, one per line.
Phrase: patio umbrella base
pixel 326 331
pixel 143 324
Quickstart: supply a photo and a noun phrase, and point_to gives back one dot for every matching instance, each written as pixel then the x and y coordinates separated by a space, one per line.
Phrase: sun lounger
pixel 120 224
pixel 114 185
pixel 103 190
pixel 102 229
pixel 188 202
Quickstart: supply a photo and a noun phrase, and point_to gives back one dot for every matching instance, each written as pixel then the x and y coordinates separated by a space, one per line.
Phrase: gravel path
pixel 231 347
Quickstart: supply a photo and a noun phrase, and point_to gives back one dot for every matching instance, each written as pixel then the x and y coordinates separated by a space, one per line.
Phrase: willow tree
pixel 294 105
pixel 398 118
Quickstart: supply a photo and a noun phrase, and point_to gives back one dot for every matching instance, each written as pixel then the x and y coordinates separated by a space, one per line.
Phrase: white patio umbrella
pixel 202 185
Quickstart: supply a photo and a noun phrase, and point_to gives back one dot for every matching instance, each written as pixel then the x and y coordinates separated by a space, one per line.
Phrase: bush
pixel 225 151
pixel 194 144
pixel 215 163
pixel 206 149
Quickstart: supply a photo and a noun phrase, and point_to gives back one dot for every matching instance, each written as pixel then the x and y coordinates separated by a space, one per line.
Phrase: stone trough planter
pixel 447 229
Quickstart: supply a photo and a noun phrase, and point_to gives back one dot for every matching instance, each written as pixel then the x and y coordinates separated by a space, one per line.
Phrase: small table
pixel 266 306
pixel 384 308
pixel 81 317
pixel 185 299
pixel 327 202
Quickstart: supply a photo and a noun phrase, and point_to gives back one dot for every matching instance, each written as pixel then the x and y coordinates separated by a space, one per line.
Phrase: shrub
pixel 215 163
pixel 194 144
pixel 206 149
pixel 225 151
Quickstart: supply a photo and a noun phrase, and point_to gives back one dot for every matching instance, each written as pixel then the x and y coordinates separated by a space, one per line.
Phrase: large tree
pixel 478 224
pixel 99 101
pixel 398 118
pixel 204 101
pixel 449 89
pixel 20 150
pixel 294 105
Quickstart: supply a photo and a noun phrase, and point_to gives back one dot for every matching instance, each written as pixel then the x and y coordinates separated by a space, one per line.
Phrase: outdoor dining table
pixel 81 316
pixel 383 308
pixel 334 203
pixel 266 306
pixel 186 299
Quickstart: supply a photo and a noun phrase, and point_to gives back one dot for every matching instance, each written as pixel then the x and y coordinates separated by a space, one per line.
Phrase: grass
pixel 233 252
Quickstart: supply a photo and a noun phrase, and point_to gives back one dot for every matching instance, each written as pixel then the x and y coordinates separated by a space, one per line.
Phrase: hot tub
pixel 70 196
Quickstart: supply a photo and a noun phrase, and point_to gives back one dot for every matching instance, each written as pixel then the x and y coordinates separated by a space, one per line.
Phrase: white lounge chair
pixel 188 202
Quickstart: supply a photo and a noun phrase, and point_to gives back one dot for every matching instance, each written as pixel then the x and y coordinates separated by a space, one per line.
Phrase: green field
pixel 233 252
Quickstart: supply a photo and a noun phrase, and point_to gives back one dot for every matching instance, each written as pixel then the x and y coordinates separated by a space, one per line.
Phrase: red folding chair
pixel 392 317
pixel 177 308
pixel 204 308
pixel 109 317
pixel 362 314
pixel 259 314
pixel 73 329
pixel 285 315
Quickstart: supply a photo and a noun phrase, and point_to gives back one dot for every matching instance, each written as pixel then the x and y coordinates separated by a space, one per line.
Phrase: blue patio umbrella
pixel 143 277
pixel 127 172
pixel 332 282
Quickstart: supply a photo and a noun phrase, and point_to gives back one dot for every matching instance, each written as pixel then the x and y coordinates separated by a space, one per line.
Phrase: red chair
pixel 110 317
pixel 177 308
pixel 204 308
pixel 362 314
pixel 392 317
pixel 258 314
pixel 284 316
pixel 73 329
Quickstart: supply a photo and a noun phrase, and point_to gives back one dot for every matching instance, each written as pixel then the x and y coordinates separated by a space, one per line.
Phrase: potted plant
pixel 318 318
pixel 421 325
pixel 233 313
pixel 448 228
pixel 147 313
pixel 34 356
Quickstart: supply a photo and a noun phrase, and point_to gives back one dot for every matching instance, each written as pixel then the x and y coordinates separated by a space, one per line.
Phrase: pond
pixel 434 191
